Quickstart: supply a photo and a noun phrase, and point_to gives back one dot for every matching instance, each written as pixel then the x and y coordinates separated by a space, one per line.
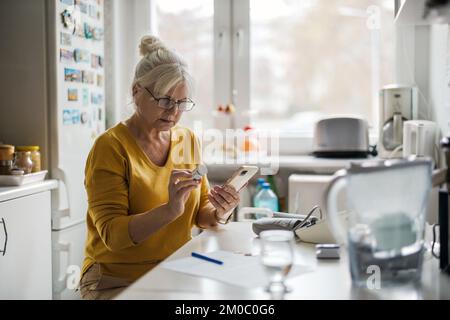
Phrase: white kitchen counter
pixel 13 192
pixel 328 280
pixel 218 169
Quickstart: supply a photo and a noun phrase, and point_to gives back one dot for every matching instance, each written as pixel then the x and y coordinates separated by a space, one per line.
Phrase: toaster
pixel 341 137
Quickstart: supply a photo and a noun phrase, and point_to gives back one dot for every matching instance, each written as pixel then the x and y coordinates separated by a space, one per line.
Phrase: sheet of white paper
pixel 237 269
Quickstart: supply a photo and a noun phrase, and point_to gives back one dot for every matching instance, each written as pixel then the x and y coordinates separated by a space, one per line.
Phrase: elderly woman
pixel 142 198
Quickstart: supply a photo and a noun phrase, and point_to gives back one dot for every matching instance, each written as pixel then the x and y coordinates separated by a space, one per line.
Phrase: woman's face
pixel 155 116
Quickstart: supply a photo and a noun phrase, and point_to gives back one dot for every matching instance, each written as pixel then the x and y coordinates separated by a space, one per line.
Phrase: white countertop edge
pixel 305 164
pixel 288 161
pixel 9 193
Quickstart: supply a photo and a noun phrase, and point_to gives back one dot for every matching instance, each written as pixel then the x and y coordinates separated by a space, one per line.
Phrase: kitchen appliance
pixel 305 192
pixel 386 205
pixel 341 137
pixel 444 231
pixel 444 213
pixel 53 96
pixel 437 11
pixel 398 104
pixel 419 139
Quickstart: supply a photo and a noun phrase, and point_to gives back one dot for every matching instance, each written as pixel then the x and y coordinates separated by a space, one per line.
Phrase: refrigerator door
pixel 77 113
pixel 68 255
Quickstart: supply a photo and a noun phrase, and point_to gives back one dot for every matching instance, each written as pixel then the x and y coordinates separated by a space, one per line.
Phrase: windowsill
pixel 221 170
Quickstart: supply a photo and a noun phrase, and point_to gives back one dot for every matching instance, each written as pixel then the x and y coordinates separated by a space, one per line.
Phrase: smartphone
pixel 241 177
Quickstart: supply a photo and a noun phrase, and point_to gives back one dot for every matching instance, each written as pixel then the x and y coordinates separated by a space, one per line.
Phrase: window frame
pixel 232 82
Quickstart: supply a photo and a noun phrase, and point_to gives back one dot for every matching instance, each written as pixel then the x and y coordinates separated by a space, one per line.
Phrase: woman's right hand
pixel 181 184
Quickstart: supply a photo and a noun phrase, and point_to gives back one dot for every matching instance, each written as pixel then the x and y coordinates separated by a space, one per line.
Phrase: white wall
pixel 440 76
pixel 23 68
pixel 125 23
pixel 422 59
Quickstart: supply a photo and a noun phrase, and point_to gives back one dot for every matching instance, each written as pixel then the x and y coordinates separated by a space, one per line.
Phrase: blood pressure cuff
pixel 275 224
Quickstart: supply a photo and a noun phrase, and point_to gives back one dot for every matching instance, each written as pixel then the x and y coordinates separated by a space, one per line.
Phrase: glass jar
pixel 23 161
pixel 35 156
pixel 5 167
pixel 6 152
pixel 6 158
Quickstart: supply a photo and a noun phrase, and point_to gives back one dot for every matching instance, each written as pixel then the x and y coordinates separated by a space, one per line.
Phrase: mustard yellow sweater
pixel 121 181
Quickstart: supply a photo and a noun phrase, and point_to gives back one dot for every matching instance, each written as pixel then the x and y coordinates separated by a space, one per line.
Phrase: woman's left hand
pixel 224 199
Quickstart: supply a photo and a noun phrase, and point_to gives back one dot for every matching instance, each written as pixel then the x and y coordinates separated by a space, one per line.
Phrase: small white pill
pixel 199 172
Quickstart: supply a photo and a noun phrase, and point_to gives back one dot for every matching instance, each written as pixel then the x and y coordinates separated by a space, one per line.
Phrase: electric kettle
pixel 419 139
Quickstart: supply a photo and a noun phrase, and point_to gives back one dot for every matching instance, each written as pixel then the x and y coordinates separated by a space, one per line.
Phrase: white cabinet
pixel 25 242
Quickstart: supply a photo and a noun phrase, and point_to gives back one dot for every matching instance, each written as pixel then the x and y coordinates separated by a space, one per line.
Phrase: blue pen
pixel 200 256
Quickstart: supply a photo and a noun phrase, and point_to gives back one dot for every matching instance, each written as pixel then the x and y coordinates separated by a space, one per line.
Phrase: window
pixel 317 57
pixel 187 28
pixel 284 63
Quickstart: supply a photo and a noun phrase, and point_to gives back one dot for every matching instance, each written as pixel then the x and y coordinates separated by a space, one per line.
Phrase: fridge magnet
pixel 80 31
pixel 96 98
pixel 99 80
pixel 97 33
pixel 72 94
pixel 72 75
pixel 81 55
pixel 65 55
pixel 82 7
pixel 85 97
pixel 88 31
pixel 75 116
pixel 100 61
pixel 100 114
pixel 94 61
pixel 68 2
pixel 67 117
pixel 93 11
pixel 84 117
pixel 70 19
pixel 65 39
pixel 88 77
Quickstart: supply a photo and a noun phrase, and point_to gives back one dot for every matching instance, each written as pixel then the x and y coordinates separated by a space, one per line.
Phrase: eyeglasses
pixel 167 103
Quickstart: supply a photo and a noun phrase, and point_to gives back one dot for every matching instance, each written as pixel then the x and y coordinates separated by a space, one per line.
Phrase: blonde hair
pixel 160 68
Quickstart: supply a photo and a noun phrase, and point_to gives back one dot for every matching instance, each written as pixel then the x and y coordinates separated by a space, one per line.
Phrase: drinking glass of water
pixel 277 256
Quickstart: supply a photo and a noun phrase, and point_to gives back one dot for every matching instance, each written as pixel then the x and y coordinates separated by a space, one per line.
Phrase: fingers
pixel 183 191
pixel 216 203
pixel 176 175
pixel 186 183
pixel 223 197
pixel 225 201
pixel 227 192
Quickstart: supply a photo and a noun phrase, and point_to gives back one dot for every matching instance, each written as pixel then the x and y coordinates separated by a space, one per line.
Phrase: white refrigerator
pixel 53 96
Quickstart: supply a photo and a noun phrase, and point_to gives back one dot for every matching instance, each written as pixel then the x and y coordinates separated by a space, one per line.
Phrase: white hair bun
pixel 150 44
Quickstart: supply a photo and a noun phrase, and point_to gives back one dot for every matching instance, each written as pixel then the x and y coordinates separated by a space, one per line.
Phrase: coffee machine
pixel 398 103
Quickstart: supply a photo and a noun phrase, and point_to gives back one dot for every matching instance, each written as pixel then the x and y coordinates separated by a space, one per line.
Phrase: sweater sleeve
pixel 196 153
pixel 107 191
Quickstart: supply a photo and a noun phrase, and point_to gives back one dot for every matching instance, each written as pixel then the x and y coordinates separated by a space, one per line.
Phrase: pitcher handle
pixel 331 194
pixel 398 129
